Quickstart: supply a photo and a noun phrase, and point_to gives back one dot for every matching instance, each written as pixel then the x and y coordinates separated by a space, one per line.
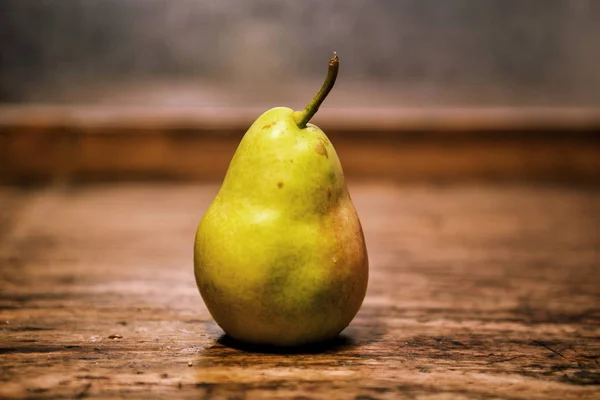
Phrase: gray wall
pixel 460 51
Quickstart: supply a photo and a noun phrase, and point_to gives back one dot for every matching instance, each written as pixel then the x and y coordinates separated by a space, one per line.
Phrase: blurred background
pixel 238 52
pixel 85 82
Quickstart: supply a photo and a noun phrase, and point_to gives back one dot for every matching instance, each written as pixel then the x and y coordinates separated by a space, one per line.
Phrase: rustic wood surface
pixel 476 292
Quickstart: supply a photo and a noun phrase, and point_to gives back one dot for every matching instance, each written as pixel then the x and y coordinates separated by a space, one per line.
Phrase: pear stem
pixel 302 117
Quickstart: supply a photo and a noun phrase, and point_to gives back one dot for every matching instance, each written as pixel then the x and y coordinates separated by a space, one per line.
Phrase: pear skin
pixel 280 257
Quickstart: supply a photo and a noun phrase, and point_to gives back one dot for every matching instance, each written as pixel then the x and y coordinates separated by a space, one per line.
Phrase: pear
pixel 279 256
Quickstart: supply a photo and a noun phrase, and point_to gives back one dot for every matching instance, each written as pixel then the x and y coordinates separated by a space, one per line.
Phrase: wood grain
pixel 476 291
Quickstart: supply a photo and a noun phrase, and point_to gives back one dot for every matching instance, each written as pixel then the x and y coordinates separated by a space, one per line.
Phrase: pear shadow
pixel 340 342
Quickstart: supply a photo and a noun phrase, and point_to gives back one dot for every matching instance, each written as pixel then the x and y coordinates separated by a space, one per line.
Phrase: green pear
pixel 279 256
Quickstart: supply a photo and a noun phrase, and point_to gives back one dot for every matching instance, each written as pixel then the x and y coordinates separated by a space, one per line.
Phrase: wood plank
pixel 355 119
pixel 476 291
pixel 90 144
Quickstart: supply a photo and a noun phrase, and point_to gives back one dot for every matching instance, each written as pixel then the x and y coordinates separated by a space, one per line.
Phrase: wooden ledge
pixel 395 120
pixel 41 143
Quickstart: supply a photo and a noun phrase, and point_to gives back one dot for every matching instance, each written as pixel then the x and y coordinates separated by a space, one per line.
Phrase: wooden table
pixel 476 291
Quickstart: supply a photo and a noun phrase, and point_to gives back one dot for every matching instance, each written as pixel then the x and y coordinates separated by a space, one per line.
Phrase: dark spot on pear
pixel 268 126
pixel 328 193
pixel 320 149
pixel 280 184
pixel 292 161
